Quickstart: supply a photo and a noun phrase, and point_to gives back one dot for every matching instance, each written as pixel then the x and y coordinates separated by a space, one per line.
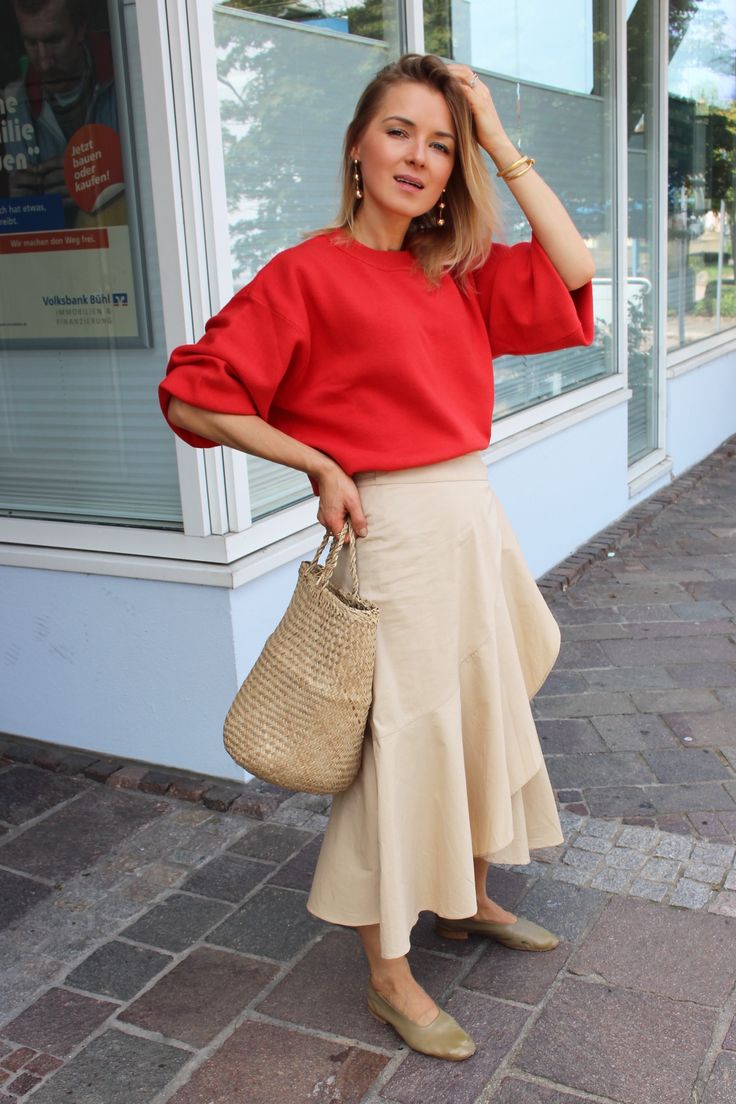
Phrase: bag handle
pixel 331 561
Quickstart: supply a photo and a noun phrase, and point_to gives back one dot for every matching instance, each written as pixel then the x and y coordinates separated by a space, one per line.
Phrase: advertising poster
pixel 68 264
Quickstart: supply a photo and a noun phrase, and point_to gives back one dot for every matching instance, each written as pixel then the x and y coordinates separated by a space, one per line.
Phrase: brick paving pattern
pixel 154 941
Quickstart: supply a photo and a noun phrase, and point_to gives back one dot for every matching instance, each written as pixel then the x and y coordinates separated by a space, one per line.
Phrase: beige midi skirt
pixel 452 766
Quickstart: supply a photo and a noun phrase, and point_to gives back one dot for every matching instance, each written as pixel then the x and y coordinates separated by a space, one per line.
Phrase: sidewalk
pixel 155 947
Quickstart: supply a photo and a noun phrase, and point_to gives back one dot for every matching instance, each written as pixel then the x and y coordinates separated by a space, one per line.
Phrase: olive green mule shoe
pixel 522 935
pixel 442 1038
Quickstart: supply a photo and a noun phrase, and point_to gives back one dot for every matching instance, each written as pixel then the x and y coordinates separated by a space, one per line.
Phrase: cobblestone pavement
pixel 157 949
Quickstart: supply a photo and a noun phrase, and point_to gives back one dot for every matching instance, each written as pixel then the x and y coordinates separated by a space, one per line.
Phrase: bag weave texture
pixel 299 717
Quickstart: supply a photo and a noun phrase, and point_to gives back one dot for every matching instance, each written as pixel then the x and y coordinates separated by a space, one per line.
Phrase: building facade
pixel 139 577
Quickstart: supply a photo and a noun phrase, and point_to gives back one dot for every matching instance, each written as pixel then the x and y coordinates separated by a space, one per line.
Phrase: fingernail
pixel 362 532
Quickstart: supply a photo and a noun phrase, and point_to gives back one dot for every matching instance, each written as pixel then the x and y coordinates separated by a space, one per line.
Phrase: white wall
pixel 701 410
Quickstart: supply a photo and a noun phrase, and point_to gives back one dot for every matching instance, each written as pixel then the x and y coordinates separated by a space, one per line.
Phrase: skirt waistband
pixel 460 468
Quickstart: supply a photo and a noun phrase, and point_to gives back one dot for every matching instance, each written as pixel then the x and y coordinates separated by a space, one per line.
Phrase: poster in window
pixel 70 254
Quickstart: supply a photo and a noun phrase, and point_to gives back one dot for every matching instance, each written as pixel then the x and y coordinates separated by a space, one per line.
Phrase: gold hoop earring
pixel 441 209
pixel 356 178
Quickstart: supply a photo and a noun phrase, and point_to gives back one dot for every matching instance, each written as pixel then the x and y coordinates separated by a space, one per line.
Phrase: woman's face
pixel 406 153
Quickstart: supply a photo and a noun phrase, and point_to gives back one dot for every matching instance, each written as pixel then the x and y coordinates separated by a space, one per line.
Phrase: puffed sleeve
pixel 246 352
pixel 526 305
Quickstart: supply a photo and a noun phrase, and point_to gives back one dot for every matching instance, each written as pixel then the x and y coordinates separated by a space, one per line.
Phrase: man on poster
pixel 68 82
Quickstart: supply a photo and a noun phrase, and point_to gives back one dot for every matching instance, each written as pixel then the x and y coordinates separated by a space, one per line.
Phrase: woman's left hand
pixel 488 126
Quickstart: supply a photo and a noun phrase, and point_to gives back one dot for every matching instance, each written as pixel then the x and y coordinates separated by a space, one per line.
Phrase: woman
pixel 362 357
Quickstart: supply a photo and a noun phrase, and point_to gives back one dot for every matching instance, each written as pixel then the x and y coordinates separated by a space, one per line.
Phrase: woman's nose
pixel 417 153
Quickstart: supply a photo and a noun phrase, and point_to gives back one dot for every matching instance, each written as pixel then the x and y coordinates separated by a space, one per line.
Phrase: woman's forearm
pixel 249 433
pixel 553 227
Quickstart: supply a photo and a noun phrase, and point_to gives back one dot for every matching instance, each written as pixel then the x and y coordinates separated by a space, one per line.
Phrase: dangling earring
pixel 441 208
pixel 356 178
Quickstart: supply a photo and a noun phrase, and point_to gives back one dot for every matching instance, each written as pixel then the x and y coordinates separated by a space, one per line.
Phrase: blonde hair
pixel 472 212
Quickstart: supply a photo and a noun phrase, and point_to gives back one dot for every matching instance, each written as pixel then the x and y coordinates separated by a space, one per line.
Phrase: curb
pixel 260 800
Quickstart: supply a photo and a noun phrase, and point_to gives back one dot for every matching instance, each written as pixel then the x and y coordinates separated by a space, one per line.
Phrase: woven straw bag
pixel 299 718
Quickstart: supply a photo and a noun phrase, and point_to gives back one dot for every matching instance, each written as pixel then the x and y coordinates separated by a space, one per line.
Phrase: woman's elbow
pixel 176 412
pixel 583 274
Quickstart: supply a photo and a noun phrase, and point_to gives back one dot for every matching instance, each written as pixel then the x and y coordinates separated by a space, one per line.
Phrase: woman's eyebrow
pixel 409 122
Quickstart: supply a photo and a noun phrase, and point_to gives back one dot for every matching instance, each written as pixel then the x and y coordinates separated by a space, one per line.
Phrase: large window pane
pixel 550 79
pixel 702 123
pixel 287 88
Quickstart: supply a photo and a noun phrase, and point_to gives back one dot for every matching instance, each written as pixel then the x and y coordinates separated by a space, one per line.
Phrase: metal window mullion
pixel 661 215
pixel 234 469
pixel 158 96
pixel 182 66
pixel 414 26
pixel 621 195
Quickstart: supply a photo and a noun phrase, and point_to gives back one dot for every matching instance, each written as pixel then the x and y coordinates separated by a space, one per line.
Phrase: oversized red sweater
pixel 349 350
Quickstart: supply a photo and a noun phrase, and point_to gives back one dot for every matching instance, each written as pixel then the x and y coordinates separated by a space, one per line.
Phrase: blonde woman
pixel 362 356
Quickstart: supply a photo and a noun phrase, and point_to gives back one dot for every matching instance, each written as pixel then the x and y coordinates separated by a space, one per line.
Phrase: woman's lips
pixel 409 183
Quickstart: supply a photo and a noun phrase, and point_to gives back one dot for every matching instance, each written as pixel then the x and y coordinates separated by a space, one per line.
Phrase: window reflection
pixel 361 17
pixel 702 124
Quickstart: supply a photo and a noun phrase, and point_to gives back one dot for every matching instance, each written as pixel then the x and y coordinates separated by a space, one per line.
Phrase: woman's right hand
pixel 338 498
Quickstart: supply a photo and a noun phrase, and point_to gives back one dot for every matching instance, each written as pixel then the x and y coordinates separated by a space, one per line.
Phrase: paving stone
pixel 221 797
pixel 624 1045
pixel 189 789
pixel 715 729
pixel 515 1091
pixel 672 701
pixel 58 1021
pixel 689 764
pixel 29 791
pixel 274 923
pixel 23 1083
pixel 625 858
pixel 660 869
pixel 79 833
pixel 493 1025
pixel 564 682
pixel 705 872
pixel 177 922
pixel 690 894
pixel 639 945
pixel 667 651
pixel 18 895
pixel 612 880
pixel 127 778
pixel 585 860
pixel 571 823
pixel 578 655
pixel 326 989
pixel 565 909
pixel 644 839
pixel 272 842
pixel 259 806
pixel 634 733
pixel 117 969
pixel 43 1064
pixel 717 853
pixel 100 769
pixel 611 768
pixel 699 611
pixel 505 973
pixel 675 823
pixel 298 872
pixel 18 1058
pixel 716 674
pixel 279 1065
pixel 200 996
pixel 650 891
pixel 117 1068
pixel 629 678
pixel 154 781
pixel 729 1043
pixel 605 829
pixel 573 874
pixel 721 1088
pixel 593 843
pixel 227 877
pixel 724 903
pixel 594 703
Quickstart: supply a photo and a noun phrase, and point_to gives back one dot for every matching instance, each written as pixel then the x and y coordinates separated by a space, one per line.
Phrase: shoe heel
pixel 376 1016
pixel 450 933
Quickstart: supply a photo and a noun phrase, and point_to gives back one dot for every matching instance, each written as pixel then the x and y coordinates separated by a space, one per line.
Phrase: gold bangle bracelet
pixel 521 171
pixel 502 172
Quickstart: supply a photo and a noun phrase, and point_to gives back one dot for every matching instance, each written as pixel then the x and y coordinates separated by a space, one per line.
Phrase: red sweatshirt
pixel 349 350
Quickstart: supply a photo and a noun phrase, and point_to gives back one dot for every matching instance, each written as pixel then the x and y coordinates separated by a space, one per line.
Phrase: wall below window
pixel 701 410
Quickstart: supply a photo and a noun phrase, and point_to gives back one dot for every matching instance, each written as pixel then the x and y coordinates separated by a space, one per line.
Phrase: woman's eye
pixel 397 131
pixel 441 147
